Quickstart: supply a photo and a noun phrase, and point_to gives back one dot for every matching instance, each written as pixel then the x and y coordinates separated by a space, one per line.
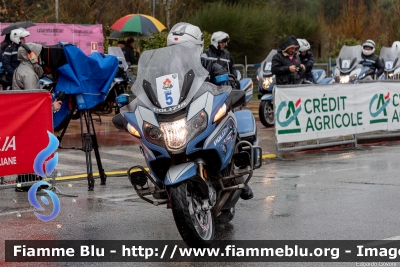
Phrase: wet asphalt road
pixel 339 195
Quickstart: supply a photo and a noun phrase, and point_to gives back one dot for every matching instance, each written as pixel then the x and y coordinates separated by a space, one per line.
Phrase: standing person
pixel 6 42
pixel 306 58
pixel 121 44
pixel 10 61
pixel 371 60
pixel 286 64
pixel 131 56
pixel 26 76
pixel 217 50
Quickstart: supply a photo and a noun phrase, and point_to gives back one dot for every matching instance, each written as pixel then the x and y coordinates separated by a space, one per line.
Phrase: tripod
pixel 89 143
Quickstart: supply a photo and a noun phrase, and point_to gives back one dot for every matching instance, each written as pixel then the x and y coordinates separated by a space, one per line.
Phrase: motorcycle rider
pixel 217 51
pixel 371 60
pixel 185 32
pixel 10 61
pixel 306 58
pixel 286 64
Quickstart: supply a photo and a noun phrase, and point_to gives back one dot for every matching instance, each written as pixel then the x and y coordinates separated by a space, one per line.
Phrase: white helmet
pixel 369 43
pixel 185 32
pixel 304 45
pixel 396 44
pixel 17 34
pixel 219 37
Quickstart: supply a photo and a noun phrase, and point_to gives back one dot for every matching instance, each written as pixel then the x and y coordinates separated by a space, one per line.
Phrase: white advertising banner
pixel 320 111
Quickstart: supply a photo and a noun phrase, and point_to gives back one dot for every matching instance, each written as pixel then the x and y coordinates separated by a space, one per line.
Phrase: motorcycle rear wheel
pixel 196 229
pixel 266 113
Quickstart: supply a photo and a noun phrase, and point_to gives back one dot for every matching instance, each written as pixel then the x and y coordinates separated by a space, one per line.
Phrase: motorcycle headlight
pixel 267 82
pixel 220 113
pixel 132 130
pixel 176 134
pixel 344 79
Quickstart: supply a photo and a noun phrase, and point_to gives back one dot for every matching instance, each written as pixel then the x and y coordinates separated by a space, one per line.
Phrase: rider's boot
pixel 247 193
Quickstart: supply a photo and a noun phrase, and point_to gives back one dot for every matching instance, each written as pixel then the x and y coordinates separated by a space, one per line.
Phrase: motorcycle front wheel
pixel 195 225
pixel 266 113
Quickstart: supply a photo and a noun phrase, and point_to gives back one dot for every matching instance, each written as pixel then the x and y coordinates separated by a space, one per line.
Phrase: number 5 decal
pixel 168 98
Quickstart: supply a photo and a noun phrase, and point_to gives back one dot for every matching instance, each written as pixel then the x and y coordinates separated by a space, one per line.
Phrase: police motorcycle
pixel 266 85
pixel 200 147
pixel 350 67
pixel 391 60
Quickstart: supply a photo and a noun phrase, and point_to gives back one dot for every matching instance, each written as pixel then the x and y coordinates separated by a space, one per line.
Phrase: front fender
pixel 180 173
pixel 266 97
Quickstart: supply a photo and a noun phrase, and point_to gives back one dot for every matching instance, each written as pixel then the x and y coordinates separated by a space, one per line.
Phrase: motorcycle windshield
pixel 266 64
pixel 349 57
pixel 169 77
pixel 390 56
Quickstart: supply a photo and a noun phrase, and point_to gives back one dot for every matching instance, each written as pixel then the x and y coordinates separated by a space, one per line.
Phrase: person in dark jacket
pixel 10 60
pixel 371 60
pixel 6 42
pixel 130 56
pixel 286 64
pixel 217 51
pixel 306 58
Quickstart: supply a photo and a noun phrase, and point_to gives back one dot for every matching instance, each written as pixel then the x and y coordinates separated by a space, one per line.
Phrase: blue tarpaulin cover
pixel 89 78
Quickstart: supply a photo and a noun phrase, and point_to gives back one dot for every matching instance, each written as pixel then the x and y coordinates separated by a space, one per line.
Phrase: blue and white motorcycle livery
pixel 201 149
pixel 350 66
pixel 266 85
pixel 391 60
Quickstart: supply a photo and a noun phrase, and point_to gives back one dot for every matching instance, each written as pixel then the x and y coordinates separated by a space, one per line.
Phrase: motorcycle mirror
pixel 122 100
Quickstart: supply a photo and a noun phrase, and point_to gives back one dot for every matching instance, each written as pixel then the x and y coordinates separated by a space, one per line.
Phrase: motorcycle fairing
pixel 265 72
pixel 390 54
pixel 136 120
pixel 210 104
pixel 319 77
pixel 350 53
pixel 246 124
pixel 247 128
pixel 266 97
pixel 246 85
pixel 265 69
pixel 222 139
pixel 169 61
pixel 180 173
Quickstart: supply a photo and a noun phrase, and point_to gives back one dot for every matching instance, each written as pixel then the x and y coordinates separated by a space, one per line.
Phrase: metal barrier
pixel 243 72
pixel 324 66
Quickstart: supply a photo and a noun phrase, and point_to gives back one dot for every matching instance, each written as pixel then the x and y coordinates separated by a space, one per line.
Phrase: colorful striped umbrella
pixel 140 23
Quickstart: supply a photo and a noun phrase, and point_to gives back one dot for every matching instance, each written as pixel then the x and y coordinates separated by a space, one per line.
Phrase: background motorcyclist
pixel 10 61
pixel 185 32
pixel 306 58
pixel 217 51
pixel 286 64
pixel 371 60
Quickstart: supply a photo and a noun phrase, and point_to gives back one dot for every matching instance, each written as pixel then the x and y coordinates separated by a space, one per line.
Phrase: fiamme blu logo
pixel 377 108
pixel 292 111
pixel 44 168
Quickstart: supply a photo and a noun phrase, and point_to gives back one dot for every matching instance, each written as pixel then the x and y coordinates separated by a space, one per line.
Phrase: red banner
pixel 25 118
